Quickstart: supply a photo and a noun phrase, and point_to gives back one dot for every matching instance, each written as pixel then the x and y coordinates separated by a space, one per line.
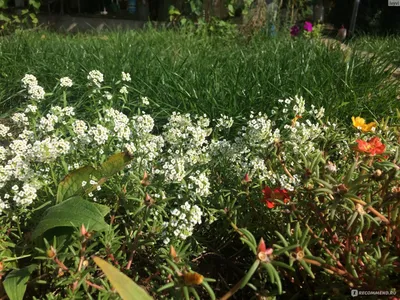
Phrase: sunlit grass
pixel 199 75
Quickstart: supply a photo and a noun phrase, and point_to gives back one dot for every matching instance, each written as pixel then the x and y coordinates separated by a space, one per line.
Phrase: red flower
pixel 270 195
pixel 372 147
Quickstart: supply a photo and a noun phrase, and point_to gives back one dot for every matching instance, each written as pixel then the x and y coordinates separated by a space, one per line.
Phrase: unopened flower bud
pixel 246 178
pixel 193 278
pixel 60 272
pixel 145 181
pixel 83 230
pixel 360 209
pixel 340 189
pixel 148 200
pixel 51 253
pixel 173 254
pixel 261 246
pixel 377 175
pixel 263 253
pixel 85 263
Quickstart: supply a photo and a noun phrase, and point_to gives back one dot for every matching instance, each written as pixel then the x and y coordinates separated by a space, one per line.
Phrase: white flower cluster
pixel 126 77
pixel 24 196
pixel 187 145
pixel 183 221
pixel 30 109
pixel 47 123
pixel 145 100
pixel 4 130
pixel 66 82
pixel 302 135
pixel 99 134
pixel 20 119
pixel 120 123
pixel 35 91
pixel 202 184
pixel 224 122
pixel 124 90
pixel 258 133
pixel 49 149
pixel 96 78
pixel 143 124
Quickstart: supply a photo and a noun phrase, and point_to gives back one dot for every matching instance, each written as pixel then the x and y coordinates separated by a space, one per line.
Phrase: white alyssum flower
pixel 107 95
pixel 49 149
pixel 29 80
pixel 20 119
pixel 66 82
pixel 4 130
pixel 99 134
pixel 96 78
pixel 126 77
pixel 123 90
pixel 145 100
pixel 224 122
pixel 36 92
pixel 31 108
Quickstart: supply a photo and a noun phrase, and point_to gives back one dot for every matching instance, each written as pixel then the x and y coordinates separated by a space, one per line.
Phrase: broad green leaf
pixel 15 282
pixel 115 163
pixel 73 213
pixel 71 185
pixel 126 287
pixel 4 18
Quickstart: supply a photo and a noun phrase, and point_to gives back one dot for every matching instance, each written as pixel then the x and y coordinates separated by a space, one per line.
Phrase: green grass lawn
pixel 199 75
pixel 387 47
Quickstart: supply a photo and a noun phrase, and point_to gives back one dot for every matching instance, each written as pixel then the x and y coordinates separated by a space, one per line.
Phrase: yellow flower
pixel 359 123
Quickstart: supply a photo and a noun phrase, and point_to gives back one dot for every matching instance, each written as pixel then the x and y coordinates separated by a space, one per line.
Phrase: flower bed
pixel 157 201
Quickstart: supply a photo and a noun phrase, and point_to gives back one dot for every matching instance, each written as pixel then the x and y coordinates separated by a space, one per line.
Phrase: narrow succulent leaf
pixel 185 291
pixel 208 289
pixel 282 265
pixel 285 243
pixel 307 268
pixel 268 267
pixel 166 286
pixel 249 274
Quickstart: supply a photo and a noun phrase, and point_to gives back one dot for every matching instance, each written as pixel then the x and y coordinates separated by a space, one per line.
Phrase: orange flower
pixel 359 123
pixel 271 195
pixel 372 147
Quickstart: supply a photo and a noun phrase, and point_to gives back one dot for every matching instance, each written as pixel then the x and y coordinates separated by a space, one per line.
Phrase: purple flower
pixel 308 26
pixel 295 30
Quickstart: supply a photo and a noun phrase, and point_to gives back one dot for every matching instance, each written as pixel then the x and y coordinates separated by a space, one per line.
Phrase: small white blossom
pixel 123 90
pixel 66 82
pixel 126 77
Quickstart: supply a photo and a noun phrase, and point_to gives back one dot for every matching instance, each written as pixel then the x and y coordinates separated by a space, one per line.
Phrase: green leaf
pixel 4 18
pixel 15 282
pixel 126 287
pixel 249 274
pixel 73 213
pixel 71 185
pixel 115 164
pixel 35 4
